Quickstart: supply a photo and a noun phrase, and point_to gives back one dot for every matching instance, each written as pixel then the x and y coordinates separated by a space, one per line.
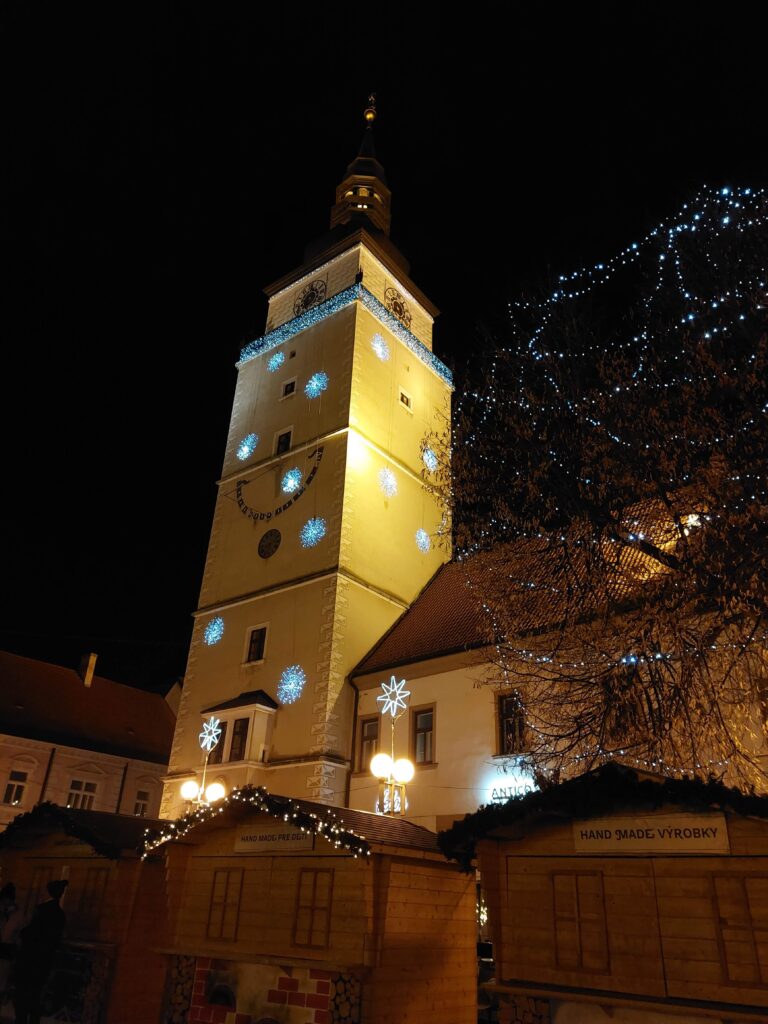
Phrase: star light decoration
pixel 393 698
pixel 387 482
pixel 214 631
pixel 291 481
pixel 316 384
pixel 275 361
pixel 210 735
pixel 247 447
pixel 312 532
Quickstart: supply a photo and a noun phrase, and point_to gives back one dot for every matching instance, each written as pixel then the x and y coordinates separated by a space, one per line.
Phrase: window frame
pixel 15 785
pixel 84 795
pixel 408 403
pixel 415 733
pixel 501 719
pixel 579 920
pixel 247 660
pixel 143 797
pixel 231 873
pixel 363 721
pixel 276 449
pixel 286 383
pixel 244 750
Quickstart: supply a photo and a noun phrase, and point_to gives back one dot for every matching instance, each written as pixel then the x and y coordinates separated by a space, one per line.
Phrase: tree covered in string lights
pixel 609 500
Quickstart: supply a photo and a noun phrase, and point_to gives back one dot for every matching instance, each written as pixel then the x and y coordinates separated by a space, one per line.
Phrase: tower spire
pixel 362 195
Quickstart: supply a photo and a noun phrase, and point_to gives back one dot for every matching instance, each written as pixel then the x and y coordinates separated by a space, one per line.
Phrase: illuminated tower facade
pixel 323 532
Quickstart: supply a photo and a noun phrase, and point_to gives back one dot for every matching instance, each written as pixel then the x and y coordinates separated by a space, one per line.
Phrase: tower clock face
pixel 310 295
pixel 269 543
pixel 396 304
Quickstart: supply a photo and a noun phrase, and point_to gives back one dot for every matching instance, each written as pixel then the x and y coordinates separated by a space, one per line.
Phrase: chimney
pixel 87 667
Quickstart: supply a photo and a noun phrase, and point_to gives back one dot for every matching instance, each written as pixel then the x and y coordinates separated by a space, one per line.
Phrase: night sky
pixel 161 163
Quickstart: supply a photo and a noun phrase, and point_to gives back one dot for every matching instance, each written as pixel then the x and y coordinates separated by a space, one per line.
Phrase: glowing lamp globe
pixel 190 790
pixel 214 792
pixel 381 766
pixel 402 770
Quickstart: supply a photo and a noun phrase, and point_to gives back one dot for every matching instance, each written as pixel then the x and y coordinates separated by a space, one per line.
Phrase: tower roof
pixel 362 196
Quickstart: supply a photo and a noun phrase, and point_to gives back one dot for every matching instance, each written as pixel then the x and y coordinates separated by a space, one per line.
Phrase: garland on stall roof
pixel 608 789
pixel 325 824
pixel 49 814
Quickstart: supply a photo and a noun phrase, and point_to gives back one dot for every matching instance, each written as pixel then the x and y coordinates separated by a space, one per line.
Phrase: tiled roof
pixel 50 703
pixel 446 616
pixel 246 699
pixel 378 828
pixel 536 584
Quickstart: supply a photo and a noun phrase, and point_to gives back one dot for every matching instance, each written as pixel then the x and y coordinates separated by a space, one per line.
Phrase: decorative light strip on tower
pixel 356 293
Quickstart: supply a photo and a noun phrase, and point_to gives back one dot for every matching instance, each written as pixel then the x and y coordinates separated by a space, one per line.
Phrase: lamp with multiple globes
pixel 190 790
pixel 393 777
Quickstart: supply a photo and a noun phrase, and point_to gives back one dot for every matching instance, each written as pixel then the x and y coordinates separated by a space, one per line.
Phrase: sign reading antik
pixel 656 833
pixel 272 838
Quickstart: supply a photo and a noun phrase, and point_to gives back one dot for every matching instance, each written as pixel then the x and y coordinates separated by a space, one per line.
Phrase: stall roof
pixel 110 835
pixel 612 787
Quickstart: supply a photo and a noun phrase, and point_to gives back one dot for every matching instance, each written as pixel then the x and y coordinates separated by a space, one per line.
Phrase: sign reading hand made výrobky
pixel 652 833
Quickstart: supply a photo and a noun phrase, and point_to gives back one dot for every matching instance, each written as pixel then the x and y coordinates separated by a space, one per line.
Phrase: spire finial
pixel 370 111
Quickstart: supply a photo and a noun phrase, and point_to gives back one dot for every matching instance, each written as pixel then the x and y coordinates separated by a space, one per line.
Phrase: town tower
pixel 323 532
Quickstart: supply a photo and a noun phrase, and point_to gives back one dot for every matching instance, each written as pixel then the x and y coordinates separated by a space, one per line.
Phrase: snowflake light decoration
pixel 210 735
pixel 423 541
pixel 430 460
pixel 388 482
pixel 247 447
pixel 291 684
pixel 380 347
pixel 393 698
pixel 291 481
pixel 316 384
pixel 312 532
pixel 275 361
pixel 214 631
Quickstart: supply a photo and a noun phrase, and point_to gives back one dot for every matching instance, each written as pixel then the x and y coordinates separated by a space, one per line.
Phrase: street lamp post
pixel 393 774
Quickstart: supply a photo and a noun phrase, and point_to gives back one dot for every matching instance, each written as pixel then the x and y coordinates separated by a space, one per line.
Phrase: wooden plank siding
pixel 687 927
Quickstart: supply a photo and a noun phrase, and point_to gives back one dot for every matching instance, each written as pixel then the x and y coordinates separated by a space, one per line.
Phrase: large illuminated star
pixel 210 735
pixel 393 698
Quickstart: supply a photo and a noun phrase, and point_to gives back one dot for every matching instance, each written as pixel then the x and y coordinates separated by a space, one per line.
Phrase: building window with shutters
pixel 239 740
pixel 224 909
pixel 312 923
pixel 369 742
pixel 257 642
pixel 512 739
pixel 423 735
pixel 81 794
pixel 578 904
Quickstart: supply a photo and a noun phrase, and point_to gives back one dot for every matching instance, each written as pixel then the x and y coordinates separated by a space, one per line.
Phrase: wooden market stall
pixel 291 911
pixel 626 897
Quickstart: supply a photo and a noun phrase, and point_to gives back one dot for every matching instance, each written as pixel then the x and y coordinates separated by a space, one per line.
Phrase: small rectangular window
pixel 512 739
pixel 257 641
pixel 224 908
pixel 216 756
pixel 14 790
pixel 289 388
pixel 81 794
pixel 239 737
pixel 405 400
pixel 312 923
pixel 283 442
pixel 141 804
pixel 423 735
pixel 369 742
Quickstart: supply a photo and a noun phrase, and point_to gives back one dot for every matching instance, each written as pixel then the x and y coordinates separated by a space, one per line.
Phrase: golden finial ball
pixel 370 115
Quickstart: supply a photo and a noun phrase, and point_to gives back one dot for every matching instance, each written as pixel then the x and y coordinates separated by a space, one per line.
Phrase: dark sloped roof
pixel 245 699
pixel 110 835
pixel 353 830
pixel 612 787
pixel 48 702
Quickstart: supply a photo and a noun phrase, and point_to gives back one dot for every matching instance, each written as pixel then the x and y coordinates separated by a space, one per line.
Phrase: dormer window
pixel 239 744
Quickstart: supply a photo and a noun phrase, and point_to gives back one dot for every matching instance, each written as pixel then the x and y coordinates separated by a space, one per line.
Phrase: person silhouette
pixel 38 944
